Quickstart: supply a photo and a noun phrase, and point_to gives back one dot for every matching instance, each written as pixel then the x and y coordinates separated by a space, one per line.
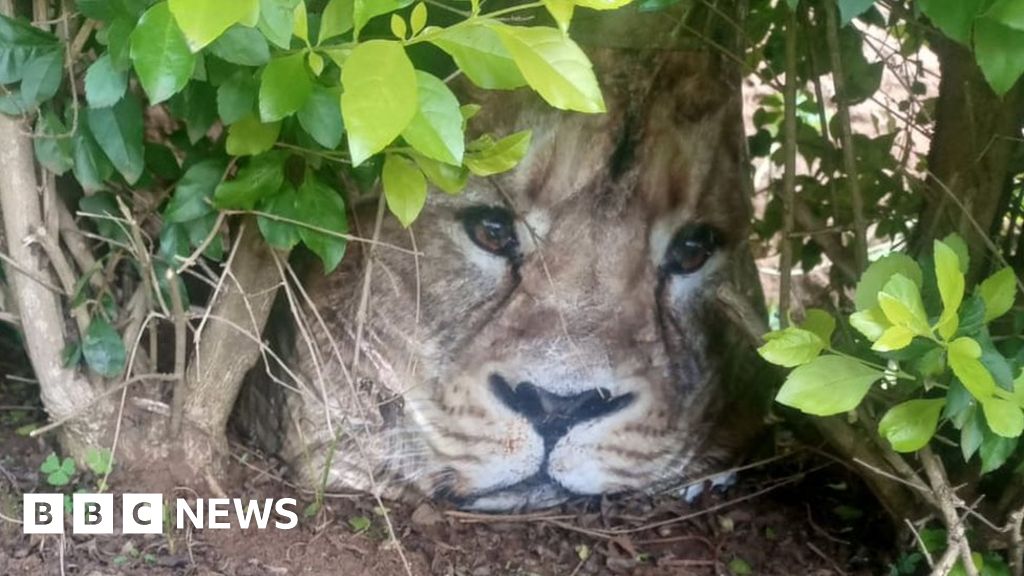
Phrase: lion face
pixel 552 331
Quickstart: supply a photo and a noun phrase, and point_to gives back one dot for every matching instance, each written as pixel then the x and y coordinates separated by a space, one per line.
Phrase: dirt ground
pixel 798 514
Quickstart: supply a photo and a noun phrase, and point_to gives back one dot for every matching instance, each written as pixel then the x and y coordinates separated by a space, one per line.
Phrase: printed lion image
pixel 552 331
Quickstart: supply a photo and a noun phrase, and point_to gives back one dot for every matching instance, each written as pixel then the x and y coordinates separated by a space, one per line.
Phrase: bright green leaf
pixel 791 347
pixel 119 132
pixel 285 86
pixel 479 52
pixel 878 274
pixel 418 18
pixel 300 22
pixel 561 11
pixel 336 19
pixel 870 322
pixel 160 54
pixel 900 300
pixel 405 188
pixel 959 246
pixel 500 156
pixel 119 36
pixel 450 179
pixel 951 288
pixel 998 292
pixel 828 385
pixel 1008 12
pixel 241 45
pixel 379 98
pixel 103 348
pixel 365 10
pixel 280 232
pixel 910 425
pixel 249 136
pixel 554 66
pixel 436 129
pixel 398 27
pixel 1004 417
pixel 953 18
pixel 894 338
pixel 203 21
pixel 316 62
pixel 320 117
pixel 963 354
pixel 602 4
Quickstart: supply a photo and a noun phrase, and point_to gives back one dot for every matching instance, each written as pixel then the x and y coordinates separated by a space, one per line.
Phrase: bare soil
pixel 799 514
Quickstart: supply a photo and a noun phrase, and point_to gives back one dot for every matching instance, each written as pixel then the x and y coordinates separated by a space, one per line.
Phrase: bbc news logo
pixel 144 513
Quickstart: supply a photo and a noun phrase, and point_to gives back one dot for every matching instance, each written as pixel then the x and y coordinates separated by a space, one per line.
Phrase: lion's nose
pixel 552 415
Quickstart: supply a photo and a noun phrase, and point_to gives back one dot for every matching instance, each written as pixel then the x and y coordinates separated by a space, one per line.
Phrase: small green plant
pixel 926 354
pixel 58 472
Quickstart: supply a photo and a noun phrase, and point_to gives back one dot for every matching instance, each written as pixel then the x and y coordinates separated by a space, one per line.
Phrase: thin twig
pixel 180 336
pixel 789 176
pixel 956 534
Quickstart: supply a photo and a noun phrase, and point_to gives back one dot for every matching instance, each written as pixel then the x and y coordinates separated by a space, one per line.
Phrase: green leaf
pixel 42 78
pixel 405 188
pixel 285 86
pixel 998 292
pixel 850 9
pixel 365 10
pixel 102 209
pixel 119 132
pixel 500 156
pixel 995 451
pixel 316 62
pixel 561 11
pixel 359 524
pixel 870 322
pixel 54 152
pixel 478 51
pixel 260 178
pixel 892 339
pixel 243 46
pixel 103 348
pixel 436 129
pixel 279 232
pixel 336 19
pixel 1004 417
pixel 91 165
pixel 236 97
pixel 197 105
pixel 1008 12
pixel 379 98
pixel 160 54
pixel 900 300
pixel 791 347
pixel 50 464
pixel 277 21
pixel 322 207
pixel 951 288
pixel 320 117
pixel 249 136
pixel 603 4
pixel 963 254
pixel 827 385
pixel 554 66
pixel 450 179
pixel 953 18
pixel 202 21
pixel 910 425
pixel 192 195
pixel 820 322
pixel 398 27
pixel 740 567
pixel 21 43
pixel 99 461
pixel 119 35
pixel 971 435
pixel 878 274
pixel 104 85
pixel 963 354
pixel 996 50
pixel 418 18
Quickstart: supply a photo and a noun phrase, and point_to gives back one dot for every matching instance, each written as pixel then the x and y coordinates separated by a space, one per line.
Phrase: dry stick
pixel 81 409
pixel 789 176
pixel 76 245
pixel 846 135
pixel 956 537
pixel 1016 542
pixel 920 543
pixel 180 336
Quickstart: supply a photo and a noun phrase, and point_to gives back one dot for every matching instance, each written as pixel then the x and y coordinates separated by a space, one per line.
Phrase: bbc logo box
pixel 93 513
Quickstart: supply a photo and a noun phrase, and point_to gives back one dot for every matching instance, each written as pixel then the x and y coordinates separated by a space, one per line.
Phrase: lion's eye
pixel 691 248
pixel 492 229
